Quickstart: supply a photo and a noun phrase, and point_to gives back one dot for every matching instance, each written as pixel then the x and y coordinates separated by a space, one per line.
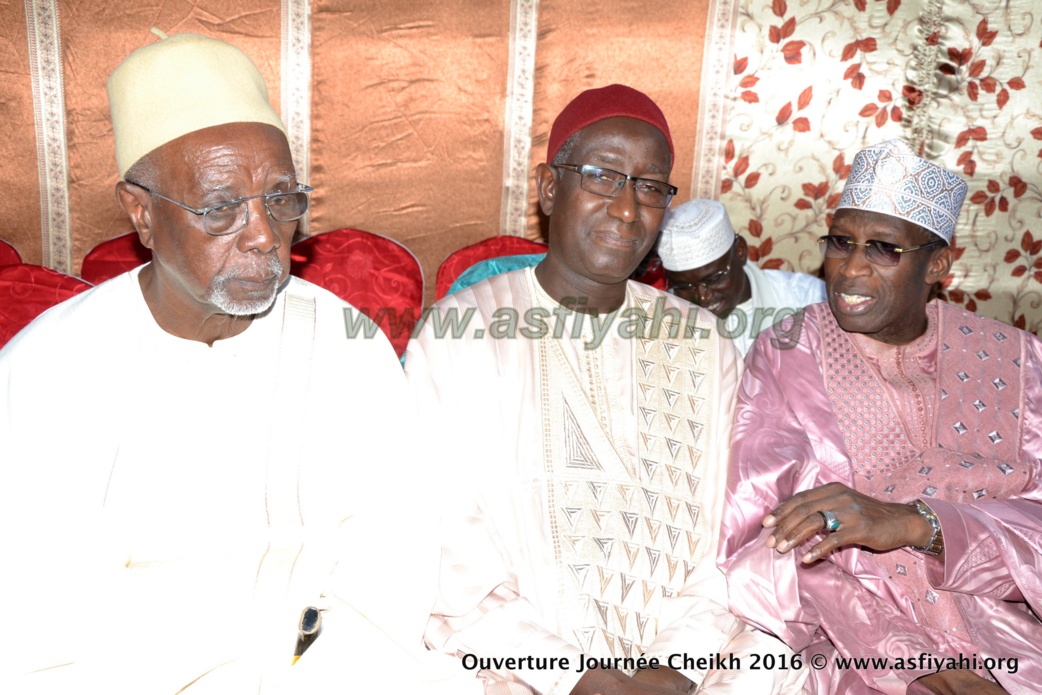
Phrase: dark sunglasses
pixel 876 252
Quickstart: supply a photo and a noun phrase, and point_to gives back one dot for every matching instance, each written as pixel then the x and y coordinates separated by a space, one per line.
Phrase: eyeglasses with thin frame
pixel 877 252
pixel 231 216
pixel 714 283
pixel 609 183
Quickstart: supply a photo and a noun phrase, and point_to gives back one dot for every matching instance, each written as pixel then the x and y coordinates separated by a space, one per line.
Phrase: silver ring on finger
pixel 831 523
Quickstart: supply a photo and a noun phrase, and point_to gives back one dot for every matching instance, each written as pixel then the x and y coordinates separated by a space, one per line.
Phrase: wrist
pixel 665 677
pixel 595 681
pixel 934 545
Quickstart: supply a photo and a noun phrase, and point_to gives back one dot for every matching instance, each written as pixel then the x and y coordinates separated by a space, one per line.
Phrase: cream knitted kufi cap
pixel 179 85
pixel 694 234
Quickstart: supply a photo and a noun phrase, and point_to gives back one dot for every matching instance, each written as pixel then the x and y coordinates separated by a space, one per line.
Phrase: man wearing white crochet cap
pixel 885 498
pixel 223 468
pixel 706 263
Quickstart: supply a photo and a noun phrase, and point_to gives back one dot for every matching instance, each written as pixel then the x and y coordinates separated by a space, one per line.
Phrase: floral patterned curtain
pixel 422 121
pixel 810 83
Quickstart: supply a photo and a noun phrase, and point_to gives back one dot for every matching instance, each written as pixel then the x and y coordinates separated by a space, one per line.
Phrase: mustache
pixel 271 267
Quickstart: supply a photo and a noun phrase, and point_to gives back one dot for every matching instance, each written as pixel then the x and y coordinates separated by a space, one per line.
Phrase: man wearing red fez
pixel 585 421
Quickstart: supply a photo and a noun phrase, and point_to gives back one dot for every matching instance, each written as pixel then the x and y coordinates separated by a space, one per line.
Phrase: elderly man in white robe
pixel 192 455
pixel 707 263
pixel 586 419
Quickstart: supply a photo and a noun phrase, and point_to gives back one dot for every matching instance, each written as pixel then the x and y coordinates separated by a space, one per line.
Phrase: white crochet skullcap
pixel 890 178
pixel 694 234
pixel 179 85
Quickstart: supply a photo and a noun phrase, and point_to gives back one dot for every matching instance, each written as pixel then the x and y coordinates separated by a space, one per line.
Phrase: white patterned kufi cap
pixel 889 178
pixel 179 85
pixel 694 234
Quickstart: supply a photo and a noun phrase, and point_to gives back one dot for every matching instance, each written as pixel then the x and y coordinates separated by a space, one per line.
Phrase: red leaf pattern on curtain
pixel 969 102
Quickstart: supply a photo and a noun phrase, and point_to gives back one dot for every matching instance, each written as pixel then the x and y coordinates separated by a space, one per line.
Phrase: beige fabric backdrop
pixel 421 120
pixel 20 206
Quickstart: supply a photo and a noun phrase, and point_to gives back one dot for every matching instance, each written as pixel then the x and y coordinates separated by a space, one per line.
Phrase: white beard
pixel 218 295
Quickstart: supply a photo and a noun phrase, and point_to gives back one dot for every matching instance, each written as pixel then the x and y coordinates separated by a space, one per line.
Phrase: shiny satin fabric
pixel 491 249
pixel 377 276
pixel 8 254
pixel 26 291
pixel 410 105
pixel 414 111
pixel 113 257
pixel 786 439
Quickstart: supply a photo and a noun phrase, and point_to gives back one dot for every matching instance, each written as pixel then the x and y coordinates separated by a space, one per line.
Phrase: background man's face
pixel 885 303
pixel 594 237
pixel 718 286
pixel 239 273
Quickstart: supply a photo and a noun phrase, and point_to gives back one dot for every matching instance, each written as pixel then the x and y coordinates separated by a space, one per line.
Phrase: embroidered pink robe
pixel 954 419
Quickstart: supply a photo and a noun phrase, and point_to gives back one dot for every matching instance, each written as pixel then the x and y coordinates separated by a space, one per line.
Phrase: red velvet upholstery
pixel 377 275
pixel 654 274
pixel 26 291
pixel 8 254
pixel 113 257
pixel 458 261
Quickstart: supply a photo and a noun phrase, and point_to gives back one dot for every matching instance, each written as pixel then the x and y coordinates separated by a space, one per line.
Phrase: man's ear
pixel 743 250
pixel 940 265
pixel 546 184
pixel 137 203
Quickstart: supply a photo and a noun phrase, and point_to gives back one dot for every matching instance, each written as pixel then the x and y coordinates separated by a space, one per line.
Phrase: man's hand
pixel 615 682
pixel 863 520
pixel 959 682
pixel 664 677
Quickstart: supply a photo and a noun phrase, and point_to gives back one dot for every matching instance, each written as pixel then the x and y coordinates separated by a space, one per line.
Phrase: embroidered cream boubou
pixel 625 525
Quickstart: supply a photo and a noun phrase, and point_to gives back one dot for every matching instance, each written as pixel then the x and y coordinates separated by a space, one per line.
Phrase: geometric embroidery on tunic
pixel 973 458
pixel 872 431
pixel 580 455
pixel 627 533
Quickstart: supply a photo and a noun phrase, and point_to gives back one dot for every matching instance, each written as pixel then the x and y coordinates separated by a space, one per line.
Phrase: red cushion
pixel 654 274
pixel 458 261
pixel 377 275
pixel 114 257
pixel 26 291
pixel 8 254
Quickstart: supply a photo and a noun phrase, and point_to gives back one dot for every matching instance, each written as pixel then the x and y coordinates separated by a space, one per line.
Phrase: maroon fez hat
pixel 606 102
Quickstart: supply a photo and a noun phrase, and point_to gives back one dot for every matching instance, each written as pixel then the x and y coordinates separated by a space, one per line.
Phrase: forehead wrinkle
pixel 655 169
pixel 612 146
pixel 284 177
pixel 224 162
pixel 614 160
pixel 229 179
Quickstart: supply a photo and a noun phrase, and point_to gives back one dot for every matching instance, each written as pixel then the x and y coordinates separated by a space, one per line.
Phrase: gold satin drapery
pixel 416 113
